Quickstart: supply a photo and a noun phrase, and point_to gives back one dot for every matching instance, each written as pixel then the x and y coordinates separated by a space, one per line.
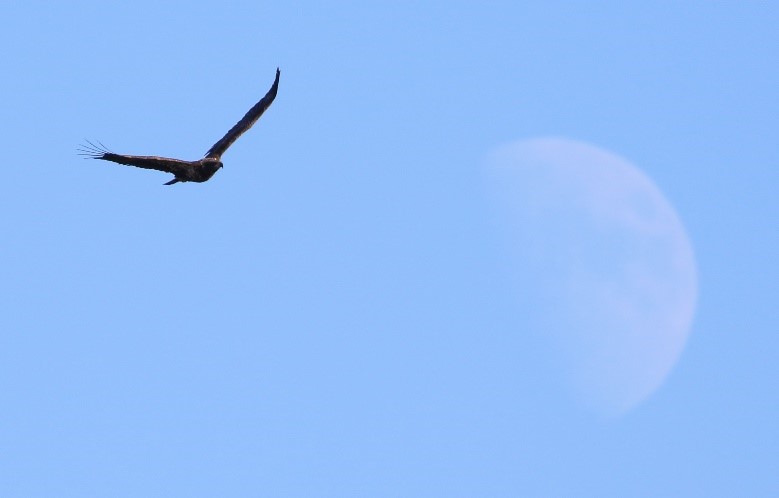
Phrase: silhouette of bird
pixel 188 171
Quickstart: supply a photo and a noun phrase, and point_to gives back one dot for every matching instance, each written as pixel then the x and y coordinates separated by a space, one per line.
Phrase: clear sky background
pixel 333 314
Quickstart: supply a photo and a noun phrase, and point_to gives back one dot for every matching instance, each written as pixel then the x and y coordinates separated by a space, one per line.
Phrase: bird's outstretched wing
pixel 175 166
pixel 246 122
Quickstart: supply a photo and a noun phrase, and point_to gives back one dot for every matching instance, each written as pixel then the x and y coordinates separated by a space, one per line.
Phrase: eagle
pixel 188 171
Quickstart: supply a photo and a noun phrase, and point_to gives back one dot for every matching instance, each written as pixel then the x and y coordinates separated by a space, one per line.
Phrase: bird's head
pixel 209 166
pixel 212 163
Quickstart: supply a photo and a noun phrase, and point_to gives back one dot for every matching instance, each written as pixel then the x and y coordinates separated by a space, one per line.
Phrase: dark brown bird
pixel 189 171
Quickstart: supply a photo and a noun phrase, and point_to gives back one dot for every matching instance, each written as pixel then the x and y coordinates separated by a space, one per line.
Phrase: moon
pixel 603 263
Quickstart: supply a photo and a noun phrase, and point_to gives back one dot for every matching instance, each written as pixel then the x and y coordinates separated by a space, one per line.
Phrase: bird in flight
pixel 188 171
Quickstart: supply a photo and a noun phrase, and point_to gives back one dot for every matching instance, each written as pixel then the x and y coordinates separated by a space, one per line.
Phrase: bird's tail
pixel 175 180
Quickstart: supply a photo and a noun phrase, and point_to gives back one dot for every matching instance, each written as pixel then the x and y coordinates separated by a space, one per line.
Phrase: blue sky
pixel 334 313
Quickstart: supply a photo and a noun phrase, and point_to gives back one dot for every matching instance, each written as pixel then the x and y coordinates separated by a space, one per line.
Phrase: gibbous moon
pixel 604 264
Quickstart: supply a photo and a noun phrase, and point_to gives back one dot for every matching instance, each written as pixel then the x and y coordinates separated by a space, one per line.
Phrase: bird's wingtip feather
pixel 91 150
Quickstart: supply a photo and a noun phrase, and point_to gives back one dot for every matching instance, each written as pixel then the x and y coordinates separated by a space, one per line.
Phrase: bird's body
pixel 189 171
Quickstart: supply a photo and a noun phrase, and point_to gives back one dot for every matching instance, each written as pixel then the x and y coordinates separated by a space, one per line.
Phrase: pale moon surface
pixel 604 262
